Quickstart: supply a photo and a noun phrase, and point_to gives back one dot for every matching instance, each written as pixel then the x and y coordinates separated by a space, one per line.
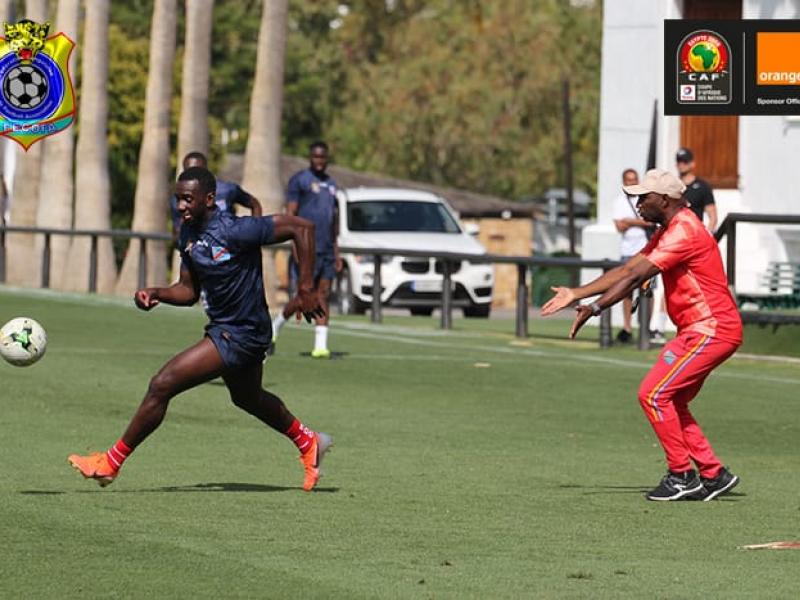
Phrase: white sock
pixel 321 337
pixel 659 321
pixel 277 323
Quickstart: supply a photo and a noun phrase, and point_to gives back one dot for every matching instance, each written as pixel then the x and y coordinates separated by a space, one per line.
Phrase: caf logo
pixel 36 95
pixel 703 66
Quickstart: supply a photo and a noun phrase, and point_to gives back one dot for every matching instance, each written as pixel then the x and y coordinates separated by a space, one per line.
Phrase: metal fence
pixel 728 229
pixel 524 265
pixel 94 234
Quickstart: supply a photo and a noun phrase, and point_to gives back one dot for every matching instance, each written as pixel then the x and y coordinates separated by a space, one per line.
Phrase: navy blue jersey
pixel 316 201
pixel 228 195
pixel 225 258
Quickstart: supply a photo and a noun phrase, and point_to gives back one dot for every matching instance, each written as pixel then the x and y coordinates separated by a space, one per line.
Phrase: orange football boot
pixel 95 466
pixel 312 459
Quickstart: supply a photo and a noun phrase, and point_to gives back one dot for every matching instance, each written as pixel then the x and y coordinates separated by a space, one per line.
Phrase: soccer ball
pixel 25 86
pixel 22 341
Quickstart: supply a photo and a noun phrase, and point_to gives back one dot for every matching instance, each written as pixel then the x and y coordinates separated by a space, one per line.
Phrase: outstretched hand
pixel 145 299
pixel 584 312
pixel 308 305
pixel 563 298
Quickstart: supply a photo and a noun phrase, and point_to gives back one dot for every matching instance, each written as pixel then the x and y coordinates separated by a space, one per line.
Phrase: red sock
pixel 301 435
pixel 118 453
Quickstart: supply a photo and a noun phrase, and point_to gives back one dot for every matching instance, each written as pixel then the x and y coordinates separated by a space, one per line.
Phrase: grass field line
pixel 563 357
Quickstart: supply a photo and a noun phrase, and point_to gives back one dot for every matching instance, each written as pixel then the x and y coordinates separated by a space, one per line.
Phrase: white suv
pixel 407 219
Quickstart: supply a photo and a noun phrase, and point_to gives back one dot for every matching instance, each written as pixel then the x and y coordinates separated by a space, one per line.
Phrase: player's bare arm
pixel 255 206
pixel 711 211
pixel 566 296
pixel 635 274
pixel 184 292
pixel 301 233
pixel 623 225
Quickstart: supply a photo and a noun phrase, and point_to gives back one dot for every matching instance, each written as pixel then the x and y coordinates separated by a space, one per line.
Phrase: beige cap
pixel 658 181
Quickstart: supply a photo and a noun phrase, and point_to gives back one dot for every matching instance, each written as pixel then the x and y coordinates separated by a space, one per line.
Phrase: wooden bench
pixel 782 284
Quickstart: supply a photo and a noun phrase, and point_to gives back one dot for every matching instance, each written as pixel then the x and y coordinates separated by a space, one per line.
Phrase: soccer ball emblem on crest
pixel 25 86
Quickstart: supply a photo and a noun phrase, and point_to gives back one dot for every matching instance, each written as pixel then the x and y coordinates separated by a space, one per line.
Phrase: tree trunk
pixel 153 186
pixel 23 265
pixel 6 16
pixel 56 185
pixel 93 203
pixel 263 152
pixel 193 125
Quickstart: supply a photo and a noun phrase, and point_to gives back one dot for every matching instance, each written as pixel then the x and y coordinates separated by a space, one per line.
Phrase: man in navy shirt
pixel 221 262
pixel 312 195
pixel 228 194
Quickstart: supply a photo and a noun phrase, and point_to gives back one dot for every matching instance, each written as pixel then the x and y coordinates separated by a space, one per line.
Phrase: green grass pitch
pixel 519 478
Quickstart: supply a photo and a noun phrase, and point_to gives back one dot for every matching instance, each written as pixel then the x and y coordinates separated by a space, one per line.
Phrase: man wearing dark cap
pixel 709 331
pixel 698 192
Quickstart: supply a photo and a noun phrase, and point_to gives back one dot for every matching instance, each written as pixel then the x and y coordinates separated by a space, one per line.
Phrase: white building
pixel 752 162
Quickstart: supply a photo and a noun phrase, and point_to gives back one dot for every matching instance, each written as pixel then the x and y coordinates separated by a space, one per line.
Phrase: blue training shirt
pixel 228 195
pixel 225 258
pixel 315 195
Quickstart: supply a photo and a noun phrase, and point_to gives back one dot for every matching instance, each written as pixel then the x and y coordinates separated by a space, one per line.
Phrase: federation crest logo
pixel 36 94
pixel 704 69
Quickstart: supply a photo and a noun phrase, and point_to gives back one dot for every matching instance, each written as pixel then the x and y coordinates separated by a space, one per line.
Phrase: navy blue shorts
pixel 238 348
pixel 324 268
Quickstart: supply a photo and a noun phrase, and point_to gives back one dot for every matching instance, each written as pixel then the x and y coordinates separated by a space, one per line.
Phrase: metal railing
pixel 728 228
pixel 523 263
pixel 447 259
pixel 95 235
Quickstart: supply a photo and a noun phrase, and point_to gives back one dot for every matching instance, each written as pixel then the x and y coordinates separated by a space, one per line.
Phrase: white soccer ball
pixel 22 341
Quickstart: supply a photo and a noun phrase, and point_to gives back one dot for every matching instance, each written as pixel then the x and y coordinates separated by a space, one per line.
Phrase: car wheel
pixel 348 304
pixel 478 310
pixel 421 311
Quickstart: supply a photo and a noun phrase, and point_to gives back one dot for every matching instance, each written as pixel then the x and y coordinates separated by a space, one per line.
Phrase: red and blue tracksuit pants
pixel 666 391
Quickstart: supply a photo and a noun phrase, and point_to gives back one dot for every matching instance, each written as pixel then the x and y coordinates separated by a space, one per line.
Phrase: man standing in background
pixel 228 194
pixel 311 195
pixel 634 238
pixel 698 192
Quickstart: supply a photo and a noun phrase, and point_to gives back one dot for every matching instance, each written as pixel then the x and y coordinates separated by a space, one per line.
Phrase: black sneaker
pixel 656 337
pixel 624 337
pixel 676 486
pixel 723 483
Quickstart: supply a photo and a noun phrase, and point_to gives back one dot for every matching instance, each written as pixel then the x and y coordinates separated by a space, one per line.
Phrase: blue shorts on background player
pixel 311 194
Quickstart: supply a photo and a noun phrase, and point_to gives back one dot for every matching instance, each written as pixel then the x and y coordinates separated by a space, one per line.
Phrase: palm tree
pixel 152 188
pixel 6 16
pixel 93 204
pixel 56 188
pixel 193 124
pixel 263 152
pixel 23 264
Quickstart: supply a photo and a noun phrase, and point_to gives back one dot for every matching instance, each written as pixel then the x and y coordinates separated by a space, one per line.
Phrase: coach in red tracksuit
pixel 709 331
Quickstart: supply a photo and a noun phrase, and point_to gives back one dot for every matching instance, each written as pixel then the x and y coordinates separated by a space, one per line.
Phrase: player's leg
pixel 656 395
pixel 195 365
pixel 289 308
pixel 715 477
pixel 321 323
pixel 624 336
pixel 246 392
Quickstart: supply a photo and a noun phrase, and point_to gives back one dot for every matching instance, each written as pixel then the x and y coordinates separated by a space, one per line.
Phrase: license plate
pixel 426 286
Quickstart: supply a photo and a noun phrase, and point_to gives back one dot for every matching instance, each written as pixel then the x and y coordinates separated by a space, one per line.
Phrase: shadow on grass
pixel 197 487
pixel 636 489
